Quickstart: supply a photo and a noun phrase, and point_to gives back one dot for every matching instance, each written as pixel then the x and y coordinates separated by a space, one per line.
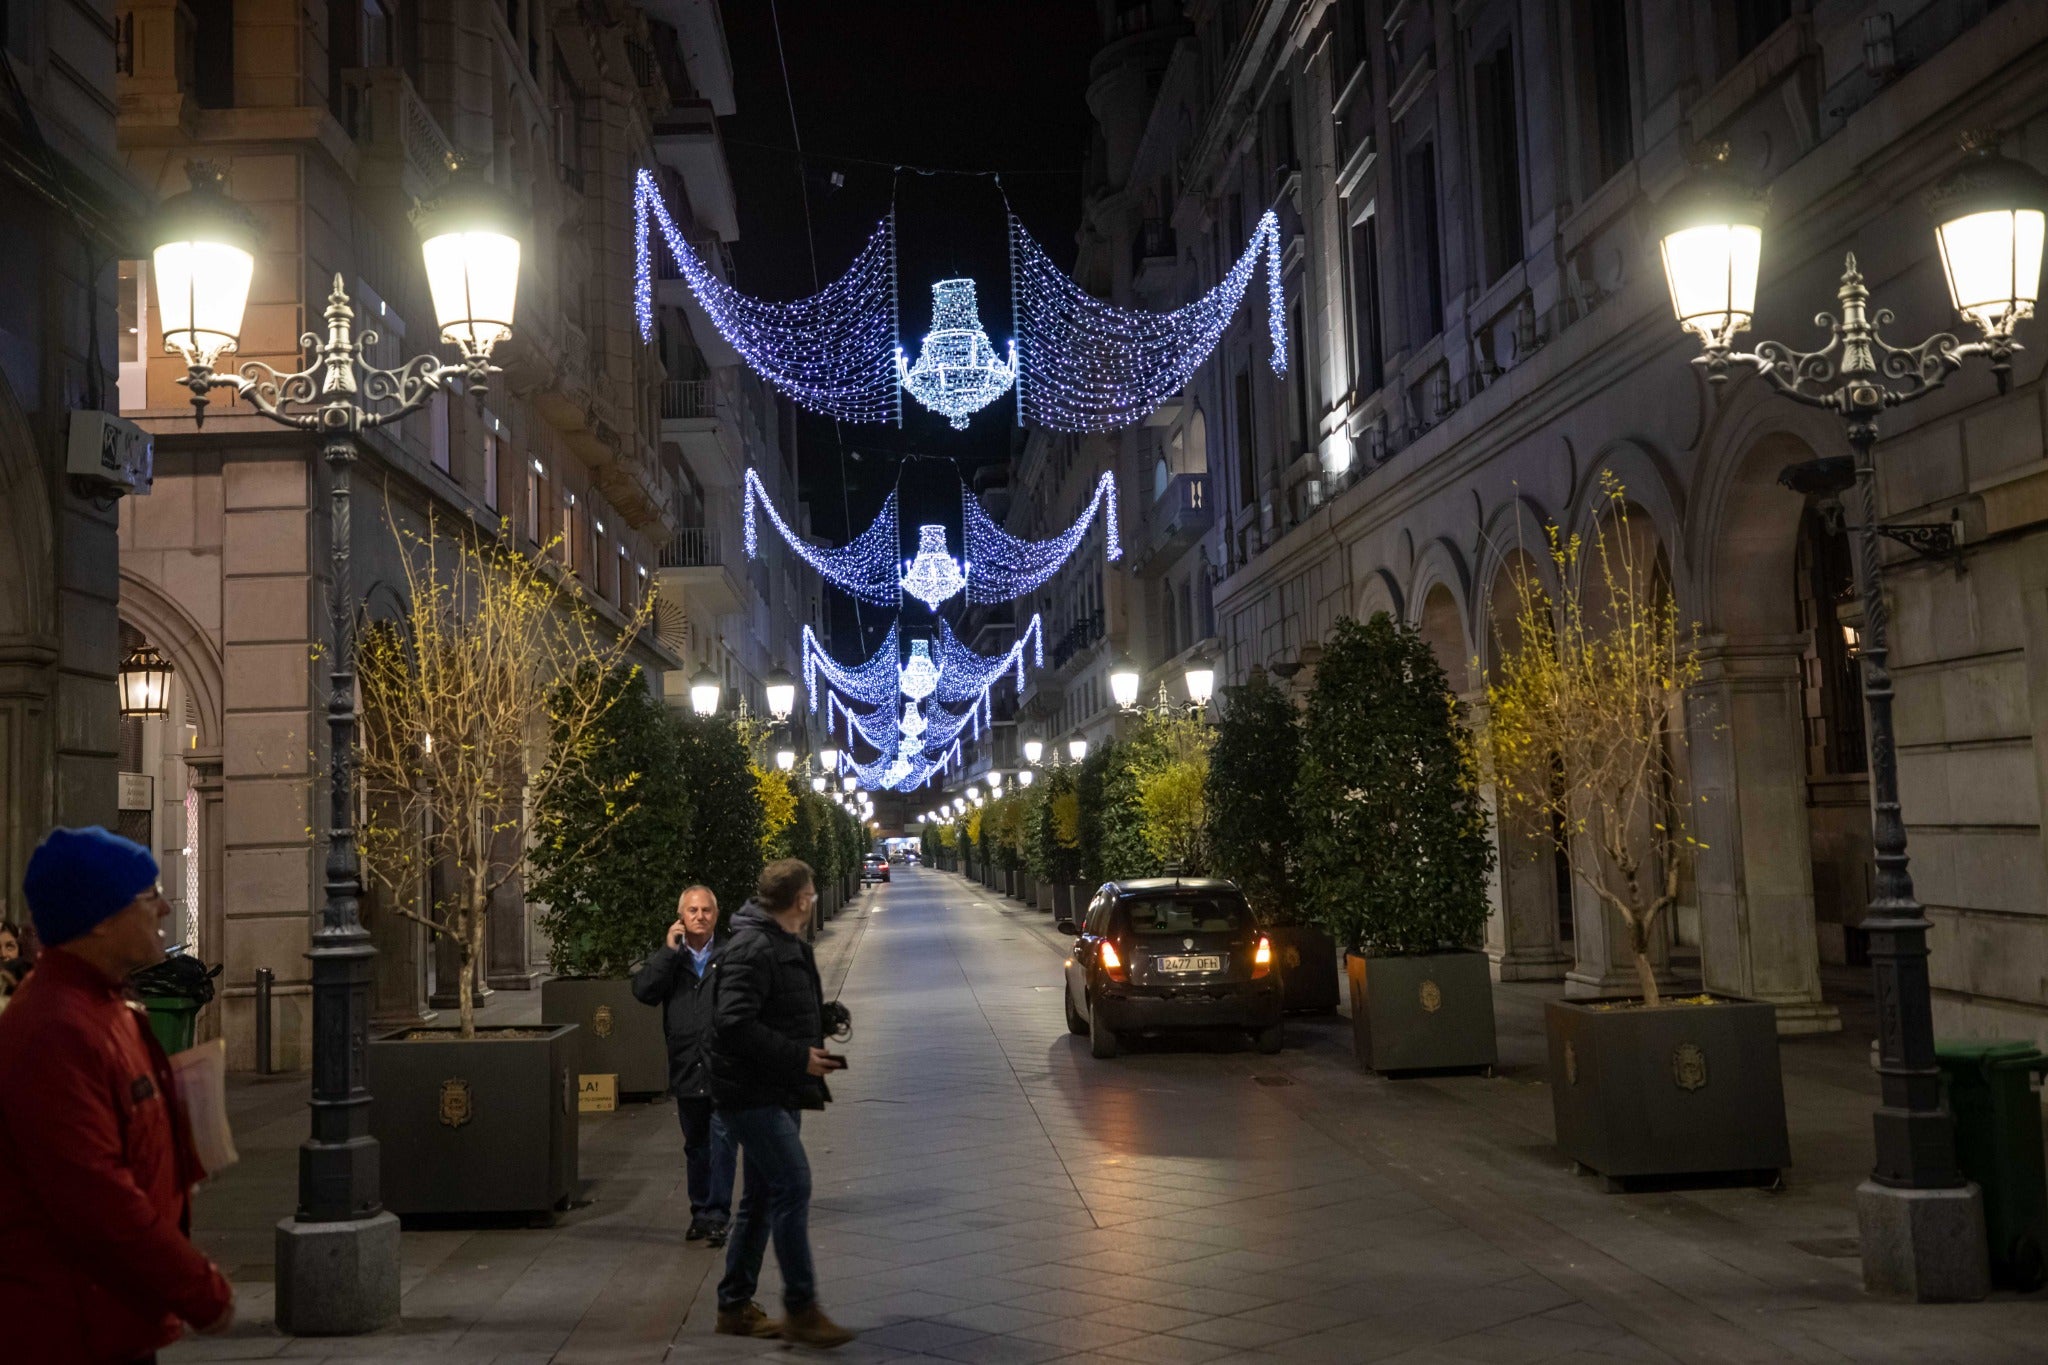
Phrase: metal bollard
pixel 264 978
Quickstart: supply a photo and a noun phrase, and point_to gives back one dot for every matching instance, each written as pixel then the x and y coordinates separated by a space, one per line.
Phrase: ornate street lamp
pixel 1123 683
pixel 785 758
pixel 1922 1222
pixel 848 782
pixel 1034 749
pixel 1077 749
pixel 204 259
pixel 145 683
pixel 1200 677
pixel 829 757
pixel 780 689
pixel 705 691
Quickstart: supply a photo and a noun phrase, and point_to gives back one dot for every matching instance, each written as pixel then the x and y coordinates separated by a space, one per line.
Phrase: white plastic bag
pixel 201 1075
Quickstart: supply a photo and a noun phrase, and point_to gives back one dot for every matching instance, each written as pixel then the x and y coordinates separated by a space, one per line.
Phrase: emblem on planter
pixel 1292 958
pixel 1432 997
pixel 1688 1066
pixel 1571 1063
pixel 601 1021
pixel 456 1108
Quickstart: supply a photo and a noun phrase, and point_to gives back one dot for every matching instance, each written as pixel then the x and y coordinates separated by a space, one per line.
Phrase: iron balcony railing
pixel 1083 633
pixel 694 547
pixel 685 399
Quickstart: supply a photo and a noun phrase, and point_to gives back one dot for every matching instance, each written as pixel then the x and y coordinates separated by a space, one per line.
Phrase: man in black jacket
pixel 768 1062
pixel 678 978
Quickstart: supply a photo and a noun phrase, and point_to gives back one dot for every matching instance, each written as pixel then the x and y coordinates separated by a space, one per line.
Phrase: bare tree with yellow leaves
pixel 480 700
pixel 1585 720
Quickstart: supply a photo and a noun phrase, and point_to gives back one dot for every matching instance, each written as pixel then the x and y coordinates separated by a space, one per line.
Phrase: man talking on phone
pixel 768 1064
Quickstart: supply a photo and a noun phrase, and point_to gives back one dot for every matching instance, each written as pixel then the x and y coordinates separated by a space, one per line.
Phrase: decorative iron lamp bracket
pixel 1831 476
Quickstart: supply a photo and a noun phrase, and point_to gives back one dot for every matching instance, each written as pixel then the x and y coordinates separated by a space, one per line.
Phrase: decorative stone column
pixel 1521 933
pixel 1748 738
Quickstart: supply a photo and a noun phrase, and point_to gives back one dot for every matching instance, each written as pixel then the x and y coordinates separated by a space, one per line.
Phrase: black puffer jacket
pixel 669 979
pixel 768 1018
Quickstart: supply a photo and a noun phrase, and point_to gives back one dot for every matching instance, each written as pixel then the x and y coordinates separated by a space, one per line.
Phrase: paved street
pixel 986 1192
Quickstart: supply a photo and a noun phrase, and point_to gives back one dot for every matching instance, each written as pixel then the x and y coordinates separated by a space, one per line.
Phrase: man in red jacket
pixel 96 1267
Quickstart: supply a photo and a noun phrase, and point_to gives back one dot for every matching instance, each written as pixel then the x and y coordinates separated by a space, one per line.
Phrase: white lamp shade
pixel 474 280
pixel 1024 778
pixel 785 759
pixel 1993 263
pixel 995 781
pixel 1711 269
pixel 829 756
pixel 1034 749
pixel 1201 683
pixel 705 690
pixel 780 689
pixel 145 681
pixel 202 290
pixel 1077 749
pixel 1123 684
pixel 817 784
pixel 848 782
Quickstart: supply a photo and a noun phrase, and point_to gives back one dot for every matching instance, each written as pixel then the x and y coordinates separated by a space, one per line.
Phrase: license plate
pixel 1207 962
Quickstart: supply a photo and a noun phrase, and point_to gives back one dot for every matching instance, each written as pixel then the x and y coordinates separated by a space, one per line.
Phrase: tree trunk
pixel 469 940
pixel 1639 944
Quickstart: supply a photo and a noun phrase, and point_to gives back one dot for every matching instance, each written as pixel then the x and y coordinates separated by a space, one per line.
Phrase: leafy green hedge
pixel 1254 826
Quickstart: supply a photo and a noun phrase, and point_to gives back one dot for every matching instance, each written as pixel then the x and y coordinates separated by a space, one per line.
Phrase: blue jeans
pixel 708 1158
pixel 776 1200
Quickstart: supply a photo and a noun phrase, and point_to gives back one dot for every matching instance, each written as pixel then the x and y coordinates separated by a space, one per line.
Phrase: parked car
pixel 1166 953
pixel 874 868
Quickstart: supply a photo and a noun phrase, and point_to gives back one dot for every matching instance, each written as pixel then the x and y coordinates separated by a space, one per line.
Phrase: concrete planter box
pixel 1431 1012
pixel 1677 1090
pixel 1076 903
pixel 1028 888
pixel 486 1126
pixel 1308 968
pixel 615 1033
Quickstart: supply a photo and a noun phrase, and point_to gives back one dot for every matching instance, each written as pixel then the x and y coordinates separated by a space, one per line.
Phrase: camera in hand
pixel 838 1020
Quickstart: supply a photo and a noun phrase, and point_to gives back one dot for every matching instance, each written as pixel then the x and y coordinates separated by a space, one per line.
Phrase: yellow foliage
pixel 778 805
pixel 1176 813
pixel 1066 819
pixel 974 826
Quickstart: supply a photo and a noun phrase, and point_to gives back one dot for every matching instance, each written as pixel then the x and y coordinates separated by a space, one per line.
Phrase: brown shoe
pixel 810 1327
pixel 748 1320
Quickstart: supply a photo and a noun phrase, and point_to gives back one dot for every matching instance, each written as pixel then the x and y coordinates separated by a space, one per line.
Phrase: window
pixel 1247 442
pixel 1608 138
pixel 1367 370
pixel 1500 162
pixel 569 530
pixel 1753 21
pixel 438 434
pixel 619 582
pixel 1300 428
pixel 536 485
pixel 1425 245
pixel 568 124
pixel 491 470
pixel 132 313
pixel 213 53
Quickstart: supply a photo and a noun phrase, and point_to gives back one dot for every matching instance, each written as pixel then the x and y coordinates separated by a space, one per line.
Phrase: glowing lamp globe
pixel 1123 683
pixel 1025 778
pixel 1201 681
pixel 203 259
pixel 817 783
pixel 1712 242
pixel 145 682
pixel 469 236
pixel 829 757
pixel 780 690
pixel 848 782
pixel 1077 749
pixel 1034 749
pixel 705 690
pixel 1990 217
pixel 785 759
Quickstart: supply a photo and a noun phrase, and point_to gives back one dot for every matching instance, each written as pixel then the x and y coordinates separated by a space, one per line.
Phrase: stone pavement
pixel 985 1192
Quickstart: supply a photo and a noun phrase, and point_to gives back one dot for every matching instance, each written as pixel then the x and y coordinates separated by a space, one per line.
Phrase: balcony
pixel 691 569
pixel 403 148
pixel 686 140
pixel 1153 252
pixel 697 416
pixel 1075 642
pixel 1180 516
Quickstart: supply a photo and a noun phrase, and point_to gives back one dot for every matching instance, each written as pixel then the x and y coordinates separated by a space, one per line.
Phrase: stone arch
pixel 1746 524
pixel 1379 592
pixel 193 655
pixel 1650 489
pixel 1513 541
pixel 1439 598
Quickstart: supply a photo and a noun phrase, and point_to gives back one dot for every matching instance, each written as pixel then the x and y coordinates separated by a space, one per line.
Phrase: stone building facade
pixel 331 122
pixel 66 213
pixel 1482 333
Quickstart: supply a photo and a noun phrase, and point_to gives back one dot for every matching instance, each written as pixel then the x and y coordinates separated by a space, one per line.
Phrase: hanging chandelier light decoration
pixel 932 575
pixel 832 352
pixel 1006 568
pixel 1093 366
pixel 919 677
pixel 957 373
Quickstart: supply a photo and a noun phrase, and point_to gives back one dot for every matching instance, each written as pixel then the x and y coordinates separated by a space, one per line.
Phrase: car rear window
pixel 1186 915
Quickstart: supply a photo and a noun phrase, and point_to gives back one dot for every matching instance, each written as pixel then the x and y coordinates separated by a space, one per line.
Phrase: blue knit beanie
pixel 78 877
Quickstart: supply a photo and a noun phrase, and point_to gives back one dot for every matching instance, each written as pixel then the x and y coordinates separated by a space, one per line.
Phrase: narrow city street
pixel 987 1192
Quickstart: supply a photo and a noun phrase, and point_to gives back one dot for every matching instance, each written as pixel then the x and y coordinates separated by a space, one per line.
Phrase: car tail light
pixel 1262 957
pixel 1111 963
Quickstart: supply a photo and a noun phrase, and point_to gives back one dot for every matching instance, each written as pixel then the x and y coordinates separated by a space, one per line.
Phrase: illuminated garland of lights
pixel 1006 568
pixel 957 373
pixel 834 352
pixel 965 674
pixel 919 677
pixel 873 680
pixel 866 568
pixel 1092 366
pixel 933 575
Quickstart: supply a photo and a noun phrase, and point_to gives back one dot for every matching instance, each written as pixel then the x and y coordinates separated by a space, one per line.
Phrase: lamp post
pixel 337 1257
pixel 705 691
pixel 1922 1224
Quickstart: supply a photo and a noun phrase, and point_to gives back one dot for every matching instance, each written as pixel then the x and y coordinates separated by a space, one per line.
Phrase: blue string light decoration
pixel 1092 366
pixel 957 373
pixel 834 352
pixel 965 674
pixel 919 677
pixel 872 681
pixel 933 575
pixel 866 568
pixel 1006 568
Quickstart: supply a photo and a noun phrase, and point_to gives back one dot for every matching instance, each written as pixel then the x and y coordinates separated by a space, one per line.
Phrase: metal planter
pixel 1677 1090
pixel 615 1033
pixel 486 1126
pixel 1308 968
pixel 1430 1012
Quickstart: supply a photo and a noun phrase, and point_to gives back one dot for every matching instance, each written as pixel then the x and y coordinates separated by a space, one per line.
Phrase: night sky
pixel 998 85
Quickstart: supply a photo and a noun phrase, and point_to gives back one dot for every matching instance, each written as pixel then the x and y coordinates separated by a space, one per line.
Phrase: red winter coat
pixel 97 1167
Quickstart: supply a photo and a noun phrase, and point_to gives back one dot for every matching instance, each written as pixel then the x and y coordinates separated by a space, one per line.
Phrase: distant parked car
pixel 1164 953
pixel 874 868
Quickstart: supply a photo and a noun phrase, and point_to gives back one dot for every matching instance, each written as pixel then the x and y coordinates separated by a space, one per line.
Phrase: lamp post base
pixel 1923 1245
pixel 341 1279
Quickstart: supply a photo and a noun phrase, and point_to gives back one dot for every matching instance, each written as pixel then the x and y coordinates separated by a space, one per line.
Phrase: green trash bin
pixel 173 1019
pixel 1998 1144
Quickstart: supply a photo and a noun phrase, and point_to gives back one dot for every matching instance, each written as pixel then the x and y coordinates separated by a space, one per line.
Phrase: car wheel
pixel 1101 1038
pixel 1270 1039
pixel 1076 1025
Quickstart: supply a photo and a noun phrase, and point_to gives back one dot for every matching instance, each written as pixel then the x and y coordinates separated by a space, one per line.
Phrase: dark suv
pixel 1170 953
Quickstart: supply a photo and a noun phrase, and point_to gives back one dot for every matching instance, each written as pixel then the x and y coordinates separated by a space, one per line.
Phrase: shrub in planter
pixel 726 820
pixel 1111 823
pixel 1585 721
pixel 1395 849
pixel 1170 768
pixel 1254 829
pixel 610 875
